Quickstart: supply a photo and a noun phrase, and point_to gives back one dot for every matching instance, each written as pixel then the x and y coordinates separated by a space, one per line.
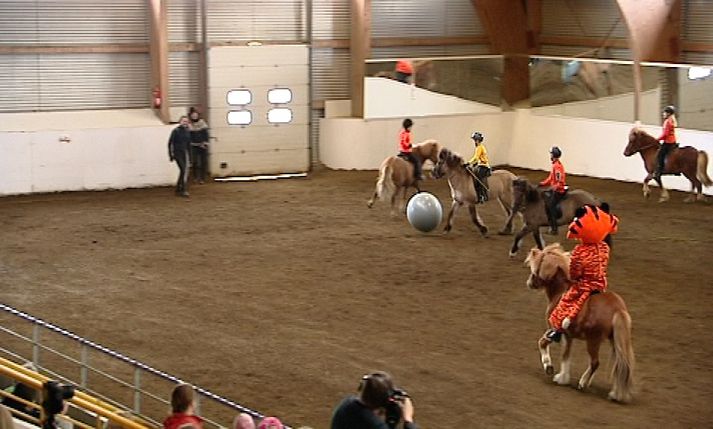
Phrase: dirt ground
pixel 281 294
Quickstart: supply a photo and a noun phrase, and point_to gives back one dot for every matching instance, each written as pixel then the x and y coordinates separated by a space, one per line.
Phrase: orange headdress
pixel 592 224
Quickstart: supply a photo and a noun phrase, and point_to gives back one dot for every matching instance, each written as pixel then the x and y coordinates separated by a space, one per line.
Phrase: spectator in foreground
pixel 182 408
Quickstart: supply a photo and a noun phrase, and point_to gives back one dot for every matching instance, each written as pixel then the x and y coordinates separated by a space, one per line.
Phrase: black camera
pixel 393 407
pixel 54 394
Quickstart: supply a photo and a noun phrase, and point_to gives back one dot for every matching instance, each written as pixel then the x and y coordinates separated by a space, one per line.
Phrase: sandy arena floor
pixel 281 294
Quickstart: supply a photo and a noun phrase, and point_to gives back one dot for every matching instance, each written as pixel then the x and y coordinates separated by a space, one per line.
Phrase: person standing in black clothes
pixel 368 409
pixel 199 145
pixel 179 146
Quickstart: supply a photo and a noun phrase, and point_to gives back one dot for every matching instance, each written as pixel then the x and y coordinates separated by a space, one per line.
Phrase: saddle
pixel 557 207
pixel 667 162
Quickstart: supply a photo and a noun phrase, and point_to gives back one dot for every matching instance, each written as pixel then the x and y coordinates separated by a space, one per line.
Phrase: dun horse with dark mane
pixel 686 160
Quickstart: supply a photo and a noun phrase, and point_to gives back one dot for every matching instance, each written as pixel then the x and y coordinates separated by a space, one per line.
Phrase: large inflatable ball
pixel 424 212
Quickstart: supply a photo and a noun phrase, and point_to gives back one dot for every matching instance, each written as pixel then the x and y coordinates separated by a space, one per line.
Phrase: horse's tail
pixel 623 369
pixel 385 185
pixel 702 169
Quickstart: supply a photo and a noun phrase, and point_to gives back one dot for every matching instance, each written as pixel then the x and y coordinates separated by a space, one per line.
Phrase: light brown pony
pixel 686 160
pixel 396 175
pixel 603 316
pixel 463 192
pixel 529 201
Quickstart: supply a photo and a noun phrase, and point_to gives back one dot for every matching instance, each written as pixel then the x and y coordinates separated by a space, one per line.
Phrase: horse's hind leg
pixel 476 220
pixel 370 204
pixel 507 229
pixel 593 350
pixel 543 344
pixel 562 377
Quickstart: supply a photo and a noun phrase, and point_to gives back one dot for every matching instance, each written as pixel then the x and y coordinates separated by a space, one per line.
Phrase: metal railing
pixel 139 370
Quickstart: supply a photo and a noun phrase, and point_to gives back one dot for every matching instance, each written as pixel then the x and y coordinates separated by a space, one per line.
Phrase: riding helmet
pixel 477 136
pixel 555 152
pixel 670 110
pixel 408 123
pixel 592 224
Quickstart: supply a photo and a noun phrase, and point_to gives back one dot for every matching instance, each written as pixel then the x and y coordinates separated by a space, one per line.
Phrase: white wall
pixel 591 147
pixel 613 108
pixel 387 98
pixel 695 101
pixel 107 149
pixel 351 143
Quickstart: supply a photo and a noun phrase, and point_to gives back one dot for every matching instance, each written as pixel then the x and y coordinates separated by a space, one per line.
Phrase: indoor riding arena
pixel 263 278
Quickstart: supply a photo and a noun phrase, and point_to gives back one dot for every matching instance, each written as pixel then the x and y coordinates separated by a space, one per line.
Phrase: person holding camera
pixel 378 405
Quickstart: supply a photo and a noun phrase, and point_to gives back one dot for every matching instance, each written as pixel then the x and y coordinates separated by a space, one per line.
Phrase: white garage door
pixel 255 135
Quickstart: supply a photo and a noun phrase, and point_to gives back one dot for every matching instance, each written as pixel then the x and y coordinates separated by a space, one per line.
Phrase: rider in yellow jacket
pixel 480 167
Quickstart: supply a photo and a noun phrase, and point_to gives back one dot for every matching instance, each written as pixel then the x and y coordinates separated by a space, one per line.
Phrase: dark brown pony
pixel 686 160
pixel 529 201
pixel 603 317
pixel 396 174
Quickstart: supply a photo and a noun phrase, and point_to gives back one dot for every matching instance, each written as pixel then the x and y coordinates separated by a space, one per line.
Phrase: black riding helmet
pixel 477 136
pixel 555 152
pixel 408 123
pixel 670 110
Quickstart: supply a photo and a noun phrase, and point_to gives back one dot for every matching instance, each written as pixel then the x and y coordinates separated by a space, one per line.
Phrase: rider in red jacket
pixel 558 188
pixel 405 148
pixel 668 137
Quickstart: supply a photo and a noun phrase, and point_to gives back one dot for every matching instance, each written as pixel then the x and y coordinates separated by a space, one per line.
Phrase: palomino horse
pixel 396 174
pixel 463 193
pixel 686 160
pixel 530 202
pixel 603 316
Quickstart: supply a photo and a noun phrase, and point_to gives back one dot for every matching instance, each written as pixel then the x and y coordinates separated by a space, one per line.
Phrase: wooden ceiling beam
pixel 506 25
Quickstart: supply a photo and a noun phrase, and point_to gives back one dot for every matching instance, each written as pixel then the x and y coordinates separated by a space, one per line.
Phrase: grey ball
pixel 424 212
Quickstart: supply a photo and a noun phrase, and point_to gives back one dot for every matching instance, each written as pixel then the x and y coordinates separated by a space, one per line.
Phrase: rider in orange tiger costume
pixel 588 265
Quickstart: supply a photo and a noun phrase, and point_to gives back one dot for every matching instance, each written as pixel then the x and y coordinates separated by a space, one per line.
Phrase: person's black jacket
pixel 352 414
pixel 179 142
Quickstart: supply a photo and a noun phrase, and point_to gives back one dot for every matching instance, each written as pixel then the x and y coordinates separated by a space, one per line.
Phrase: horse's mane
pixel 546 262
pixel 640 132
pixel 531 193
pixel 451 158
pixel 429 142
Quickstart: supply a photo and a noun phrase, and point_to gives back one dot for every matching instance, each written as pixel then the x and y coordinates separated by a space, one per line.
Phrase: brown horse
pixel 396 174
pixel 463 192
pixel 603 316
pixel 686 160
pixel 530 202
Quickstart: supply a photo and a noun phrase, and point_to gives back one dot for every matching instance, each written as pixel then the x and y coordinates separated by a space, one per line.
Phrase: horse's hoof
pixel 663 200
pixel 370 204
pixel 512 254
pixel 581 386
pixel 561 379
pixel 484 231
pixel 549 370
pixel 505 232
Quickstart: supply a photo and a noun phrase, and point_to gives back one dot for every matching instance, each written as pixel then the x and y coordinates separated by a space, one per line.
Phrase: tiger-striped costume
pixel 588 272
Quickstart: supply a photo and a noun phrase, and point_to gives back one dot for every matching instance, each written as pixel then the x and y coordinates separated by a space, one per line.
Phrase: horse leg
pixel 593 350
pixel 393 202
pixel 476 220
pixel 664 192
pixel 646 189
pixel 543 344
pixel 518 239
pixel 507 229
pixel 562 377
pixel 539 241
pixel 449 219
pixel 370 204
pixel 402 201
